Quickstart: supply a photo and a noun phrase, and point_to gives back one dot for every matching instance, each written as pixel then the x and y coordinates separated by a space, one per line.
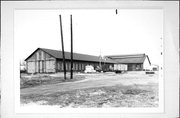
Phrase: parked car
pixel 89 69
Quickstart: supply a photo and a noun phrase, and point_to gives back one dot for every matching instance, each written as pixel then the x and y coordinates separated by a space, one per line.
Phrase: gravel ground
pixel 111 96
pixel 93 80
pixel 97 90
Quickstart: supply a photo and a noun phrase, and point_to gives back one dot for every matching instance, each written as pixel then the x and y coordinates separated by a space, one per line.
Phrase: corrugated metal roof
pixel 133 58
pixel 58 54
pixel 130 60
pixel 76 56
pixel 125 56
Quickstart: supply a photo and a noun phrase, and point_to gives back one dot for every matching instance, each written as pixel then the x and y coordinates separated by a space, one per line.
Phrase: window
pixel 66 66
pixel 58 66
pixel 82 66
pixel 138 67
pixel 76 66
pixel 69 66
pixel 73 66
pixel 79 66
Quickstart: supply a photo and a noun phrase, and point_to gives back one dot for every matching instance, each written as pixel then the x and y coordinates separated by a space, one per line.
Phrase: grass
pixel 112 96
pixel 32 81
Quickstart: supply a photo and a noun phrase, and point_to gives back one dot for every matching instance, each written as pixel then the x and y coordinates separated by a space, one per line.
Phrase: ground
pixel 132 89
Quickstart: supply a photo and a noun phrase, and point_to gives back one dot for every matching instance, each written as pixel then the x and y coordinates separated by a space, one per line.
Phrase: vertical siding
pixel 31 67
pixel 37 66
pixel 50 63
pixel 50 66
pixel 41 62
pixel 31 64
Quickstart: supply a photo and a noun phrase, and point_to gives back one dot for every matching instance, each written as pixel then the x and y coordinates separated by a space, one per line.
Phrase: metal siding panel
pixel 37 55
pixel 50 65
pixel 36 67
pixel 49 62
pixel 31 67
pixel 41 66
pixel 42 55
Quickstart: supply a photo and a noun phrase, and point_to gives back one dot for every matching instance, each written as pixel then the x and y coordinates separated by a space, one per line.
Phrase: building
pixel 135 62
pixel 49 61
pixel 154 67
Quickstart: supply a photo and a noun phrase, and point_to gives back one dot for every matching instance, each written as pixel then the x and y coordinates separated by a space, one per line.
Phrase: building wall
pixel 135 67
pixel 41 62
pixel 31 66
pixel 77 65
pixel 146 65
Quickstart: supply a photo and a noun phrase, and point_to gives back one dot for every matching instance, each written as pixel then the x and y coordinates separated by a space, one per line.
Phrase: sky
pixel 95 31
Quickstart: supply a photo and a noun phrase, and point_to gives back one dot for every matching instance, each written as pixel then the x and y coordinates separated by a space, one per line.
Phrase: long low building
pixel 134 62
pixel 46 61
pixel 50 61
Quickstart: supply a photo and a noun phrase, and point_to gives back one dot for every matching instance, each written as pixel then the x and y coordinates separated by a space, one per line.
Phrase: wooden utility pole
pixel 62 48
pixel 100 61
pixel 116 11
pixel 71 49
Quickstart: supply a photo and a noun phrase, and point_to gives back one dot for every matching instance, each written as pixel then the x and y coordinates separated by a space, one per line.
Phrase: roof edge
pixel 32 54
pixel 148 59
pixel 125 55
pixel 36 51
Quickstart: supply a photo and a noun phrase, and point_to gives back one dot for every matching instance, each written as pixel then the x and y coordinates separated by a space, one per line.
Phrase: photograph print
pixel 89 58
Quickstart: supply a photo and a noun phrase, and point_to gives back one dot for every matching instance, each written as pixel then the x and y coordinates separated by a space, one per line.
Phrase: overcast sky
pixel 131 31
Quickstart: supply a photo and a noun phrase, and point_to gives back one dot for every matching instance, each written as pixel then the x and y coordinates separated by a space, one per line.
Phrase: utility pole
pixel 116 11
pixel 100 61
pixel 62 48
pixel 71 49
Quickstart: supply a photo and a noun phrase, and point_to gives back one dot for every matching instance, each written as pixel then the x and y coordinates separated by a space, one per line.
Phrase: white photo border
pixel 9 62
pixel 54 109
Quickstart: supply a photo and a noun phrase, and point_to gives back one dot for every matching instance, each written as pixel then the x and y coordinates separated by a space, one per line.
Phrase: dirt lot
pixel 133 89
